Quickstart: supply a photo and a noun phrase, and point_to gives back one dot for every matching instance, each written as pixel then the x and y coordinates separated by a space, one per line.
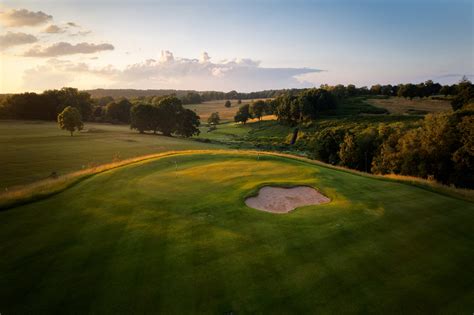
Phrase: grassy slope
pixel 147 238
pixel 400 105
pixel 33 150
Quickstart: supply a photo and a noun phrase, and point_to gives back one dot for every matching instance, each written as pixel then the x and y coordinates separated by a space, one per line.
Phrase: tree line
pixel 438 147
pixel 108 108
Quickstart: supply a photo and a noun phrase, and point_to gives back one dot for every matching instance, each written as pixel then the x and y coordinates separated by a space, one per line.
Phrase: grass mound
pixel 173 235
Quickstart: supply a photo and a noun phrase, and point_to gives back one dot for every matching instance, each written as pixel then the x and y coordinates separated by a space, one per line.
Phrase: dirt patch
pixel 283 200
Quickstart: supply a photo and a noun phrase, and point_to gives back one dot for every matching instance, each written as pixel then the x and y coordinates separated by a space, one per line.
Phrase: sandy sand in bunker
pixel 283 200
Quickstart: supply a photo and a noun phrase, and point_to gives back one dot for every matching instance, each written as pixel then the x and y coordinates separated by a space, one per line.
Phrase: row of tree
pixel 168 117
pixel 47 105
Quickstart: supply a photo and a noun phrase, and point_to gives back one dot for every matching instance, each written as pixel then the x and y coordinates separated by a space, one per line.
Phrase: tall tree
pixel 70 119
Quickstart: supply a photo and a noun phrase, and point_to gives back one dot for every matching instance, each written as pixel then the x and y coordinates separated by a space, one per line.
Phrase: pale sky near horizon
pixel 232 45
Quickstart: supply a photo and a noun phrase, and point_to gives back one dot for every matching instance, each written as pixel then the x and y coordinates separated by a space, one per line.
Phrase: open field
pixel 401 105
pixel 205 109
pixel 32 150
pixel 148 237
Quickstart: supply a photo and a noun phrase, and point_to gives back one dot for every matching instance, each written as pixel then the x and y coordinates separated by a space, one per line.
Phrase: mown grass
pixel 33 150
pixel 153 238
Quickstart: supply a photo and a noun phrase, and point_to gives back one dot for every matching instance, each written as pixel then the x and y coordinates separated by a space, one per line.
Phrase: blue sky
pixel 249 45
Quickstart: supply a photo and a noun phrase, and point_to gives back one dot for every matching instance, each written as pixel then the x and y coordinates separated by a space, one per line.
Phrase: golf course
pixel 172 233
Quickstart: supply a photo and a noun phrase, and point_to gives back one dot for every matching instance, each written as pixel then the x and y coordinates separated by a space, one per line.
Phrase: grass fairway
pixel 150 238
pixel 32 150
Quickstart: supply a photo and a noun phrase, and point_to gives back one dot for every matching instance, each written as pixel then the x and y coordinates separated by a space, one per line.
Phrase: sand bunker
pixel 283 200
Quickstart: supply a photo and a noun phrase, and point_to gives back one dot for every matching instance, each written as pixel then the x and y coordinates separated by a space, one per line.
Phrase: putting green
pixel 173 235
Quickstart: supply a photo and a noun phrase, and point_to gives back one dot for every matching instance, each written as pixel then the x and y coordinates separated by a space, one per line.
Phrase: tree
pixel 465 95
pixel 70 119
pixel 312 102
pixel 407 90
pixel 257 109
pixel 239 101
pixel 243 114
pixel 168 112
pixel 119 112
pixel 188 123
pixel 284 112
pixel 376 89
pixel 72 97
pixel 228 104
pixel 214 119
pixel 143 117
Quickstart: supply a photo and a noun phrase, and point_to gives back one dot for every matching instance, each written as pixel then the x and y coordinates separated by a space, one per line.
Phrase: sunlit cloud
pixel 63 48
pixel 241 74
pixel 11 39
pixel 23 17
pixel 54 29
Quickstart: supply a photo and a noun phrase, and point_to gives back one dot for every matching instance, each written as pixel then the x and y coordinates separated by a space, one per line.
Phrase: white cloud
pixel 166 56
pixel 11 39
pixel 54 29
pixel 204 57
pixel 184 73
pixel 63 48
pixel 23 17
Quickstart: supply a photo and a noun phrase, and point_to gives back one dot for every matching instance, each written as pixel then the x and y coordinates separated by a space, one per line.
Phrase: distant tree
pixel 407 90
pixel 232 95
pixel 103 101
pixel 270 106
pixel 143 117
pixel 70 119
pixel 228 104
pixel 446 90
pixel 465 95
pixel 243 114
pixel 312 102
pixel 119 112
pixel 191 98
pixel 351 90
pixel 386 90
pixel 168 110
pixel 287 104
pixel 73 97
pixel 214 119
pixel 257 109
pixel 188 123
pixel 376 89
pixel 339 91
pixel 239 101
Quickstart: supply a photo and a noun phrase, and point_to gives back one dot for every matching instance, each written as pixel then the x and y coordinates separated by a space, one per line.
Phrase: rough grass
pixel 32 150
pixel 150 238
pixel 417 106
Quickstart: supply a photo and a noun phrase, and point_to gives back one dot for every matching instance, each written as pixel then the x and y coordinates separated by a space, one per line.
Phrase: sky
pixel 232 45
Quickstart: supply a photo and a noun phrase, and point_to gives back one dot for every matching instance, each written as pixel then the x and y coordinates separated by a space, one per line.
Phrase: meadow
pixel 33 150
pixel 205 109
pixel 401 105
pixel 173 234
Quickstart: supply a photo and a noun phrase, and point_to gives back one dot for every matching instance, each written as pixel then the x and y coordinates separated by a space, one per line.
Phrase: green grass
pixel 32 150
pixel 147 238
pixel 205 109
pixel 416 106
